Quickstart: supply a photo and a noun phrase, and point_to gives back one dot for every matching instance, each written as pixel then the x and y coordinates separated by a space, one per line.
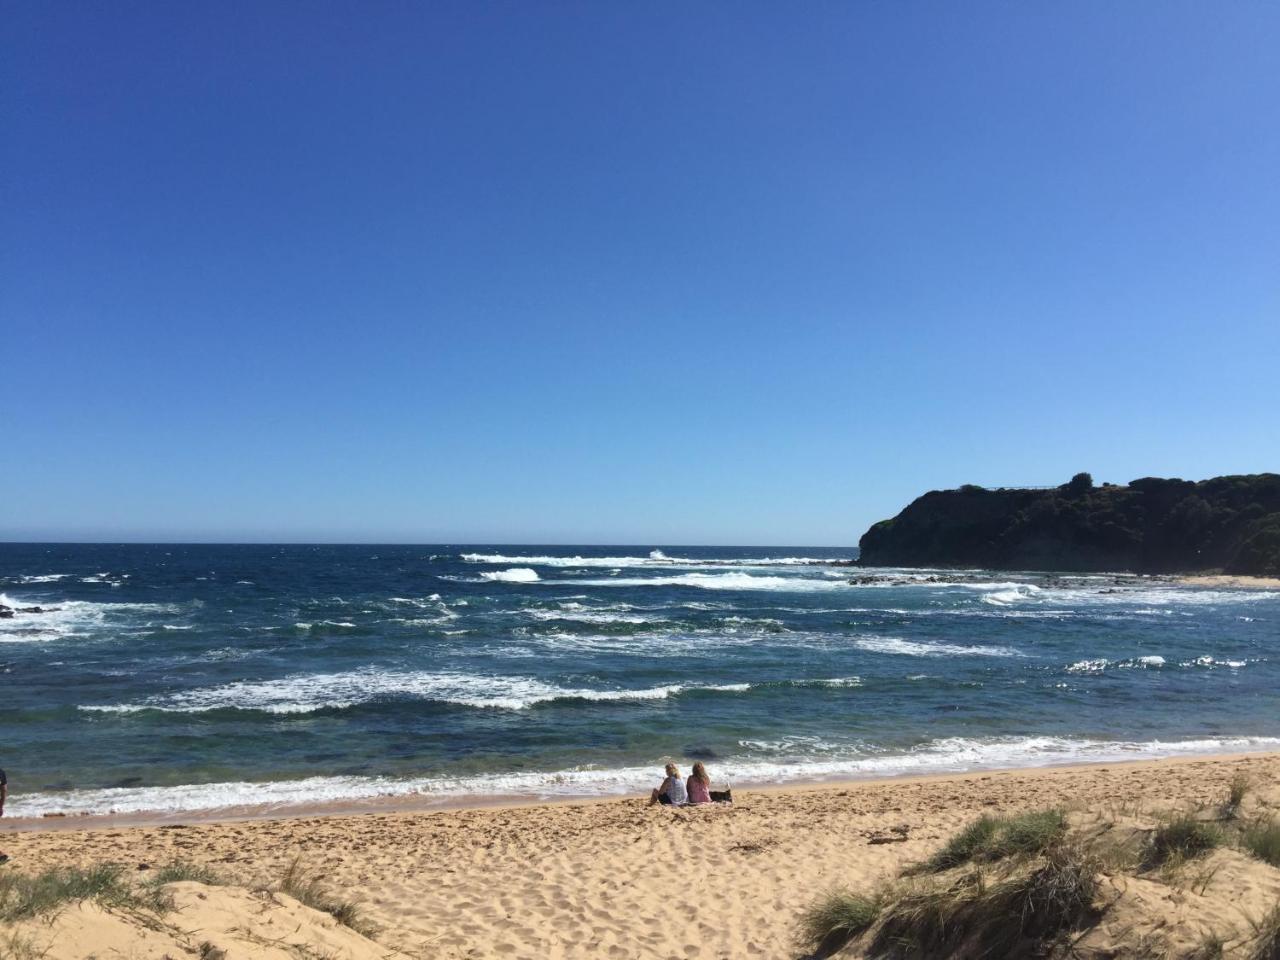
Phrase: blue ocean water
pixel 175 677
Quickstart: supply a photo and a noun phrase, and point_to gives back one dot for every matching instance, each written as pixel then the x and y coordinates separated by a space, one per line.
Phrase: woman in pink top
pixel 699 785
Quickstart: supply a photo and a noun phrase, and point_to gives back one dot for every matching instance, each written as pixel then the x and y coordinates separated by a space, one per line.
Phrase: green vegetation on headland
pixel 1227 524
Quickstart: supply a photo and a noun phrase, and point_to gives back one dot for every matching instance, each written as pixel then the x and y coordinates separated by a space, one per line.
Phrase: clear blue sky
pixel 659 273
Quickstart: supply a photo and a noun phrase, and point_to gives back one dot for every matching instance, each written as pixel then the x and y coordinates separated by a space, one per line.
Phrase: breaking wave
pixel 514 575
pixel 656 558
pixel 716 581
pixel 309 693
pixel 914 648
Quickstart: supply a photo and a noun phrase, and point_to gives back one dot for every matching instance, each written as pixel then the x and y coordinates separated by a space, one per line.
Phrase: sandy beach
pixel 616 878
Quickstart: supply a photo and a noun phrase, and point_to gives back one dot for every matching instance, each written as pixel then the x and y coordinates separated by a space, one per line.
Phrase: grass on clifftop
pixel 994 838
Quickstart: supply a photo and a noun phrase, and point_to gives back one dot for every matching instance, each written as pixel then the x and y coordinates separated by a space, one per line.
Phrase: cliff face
pixel 1230 524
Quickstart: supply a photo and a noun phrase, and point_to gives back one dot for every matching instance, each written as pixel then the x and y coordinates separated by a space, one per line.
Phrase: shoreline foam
pixel 626 782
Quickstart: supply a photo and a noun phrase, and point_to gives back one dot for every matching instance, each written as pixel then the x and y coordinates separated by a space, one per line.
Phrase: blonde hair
pixel 673 770
pixel 700 773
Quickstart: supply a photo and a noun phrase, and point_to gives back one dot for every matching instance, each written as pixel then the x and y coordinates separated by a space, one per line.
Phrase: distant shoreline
pixel 1230 581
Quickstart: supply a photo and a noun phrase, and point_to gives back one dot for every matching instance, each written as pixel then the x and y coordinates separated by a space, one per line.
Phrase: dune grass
pixel 176 871
pixel 837 917
pixel 1236 791
pixel 1262 840
pixel 16 947
pixel 1183 838
pixel 995 838
pixel 1266 944
pixel 310 890
pixel 1210 947
pixel 23 896
pixel 1015 915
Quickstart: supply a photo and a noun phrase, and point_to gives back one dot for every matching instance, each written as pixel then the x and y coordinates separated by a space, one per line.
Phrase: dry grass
pixel 1266 944
pixel 1236 790
pixel 16 947
pixel 836 918
pixel 23 896
pixel 995 838
pixel 1211 947
pixel 1018 914
pixel 310 889
pixel 1262 840
pixel 178 870
pixel 1183 838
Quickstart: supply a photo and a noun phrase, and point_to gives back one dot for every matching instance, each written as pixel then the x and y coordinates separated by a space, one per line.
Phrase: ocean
pixel 175 678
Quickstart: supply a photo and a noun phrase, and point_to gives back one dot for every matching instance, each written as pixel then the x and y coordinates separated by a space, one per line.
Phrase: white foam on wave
pixel 913 648
pixel 443 612
pixel 1010 594
pixel 68 619
pixel 307 693
pixel 1151 599
pixel 698 642
pixel 514 575
pixel 1102 664
pixel 656 558
pixel 796 759
pixel 717 581
pixel 585 615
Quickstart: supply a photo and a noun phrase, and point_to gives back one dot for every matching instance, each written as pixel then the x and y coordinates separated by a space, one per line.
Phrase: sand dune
pixel 208 921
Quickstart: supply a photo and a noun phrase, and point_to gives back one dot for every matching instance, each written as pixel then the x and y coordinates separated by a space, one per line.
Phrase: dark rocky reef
pixel 6 613
pixel 1227 524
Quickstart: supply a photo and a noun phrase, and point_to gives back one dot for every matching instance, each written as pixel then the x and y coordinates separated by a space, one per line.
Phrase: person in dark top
pixel 4 793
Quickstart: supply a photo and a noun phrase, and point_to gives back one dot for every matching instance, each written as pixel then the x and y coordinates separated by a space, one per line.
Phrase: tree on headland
pixel 1080 484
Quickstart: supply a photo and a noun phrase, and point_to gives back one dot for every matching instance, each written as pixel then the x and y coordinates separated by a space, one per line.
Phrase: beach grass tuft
pixel 1015 915
pixel 1236 791
pixel 1183 838
pixel 177 871
pixel 994 838
pixel 836 918
pixel 23 896
pixel 310 890
pixel 1262 840
pixel 1266 943
pixel 1210 947
pixel 14 946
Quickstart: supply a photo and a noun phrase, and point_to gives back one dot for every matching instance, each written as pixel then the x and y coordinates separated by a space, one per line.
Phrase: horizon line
pixel 652 544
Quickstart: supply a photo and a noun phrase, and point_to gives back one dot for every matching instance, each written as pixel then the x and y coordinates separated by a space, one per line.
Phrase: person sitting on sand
pixel 672 792
pixel 4 795
pixel 699 786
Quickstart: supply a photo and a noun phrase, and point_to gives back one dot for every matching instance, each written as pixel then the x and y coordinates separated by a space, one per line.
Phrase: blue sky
pixel 554 272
